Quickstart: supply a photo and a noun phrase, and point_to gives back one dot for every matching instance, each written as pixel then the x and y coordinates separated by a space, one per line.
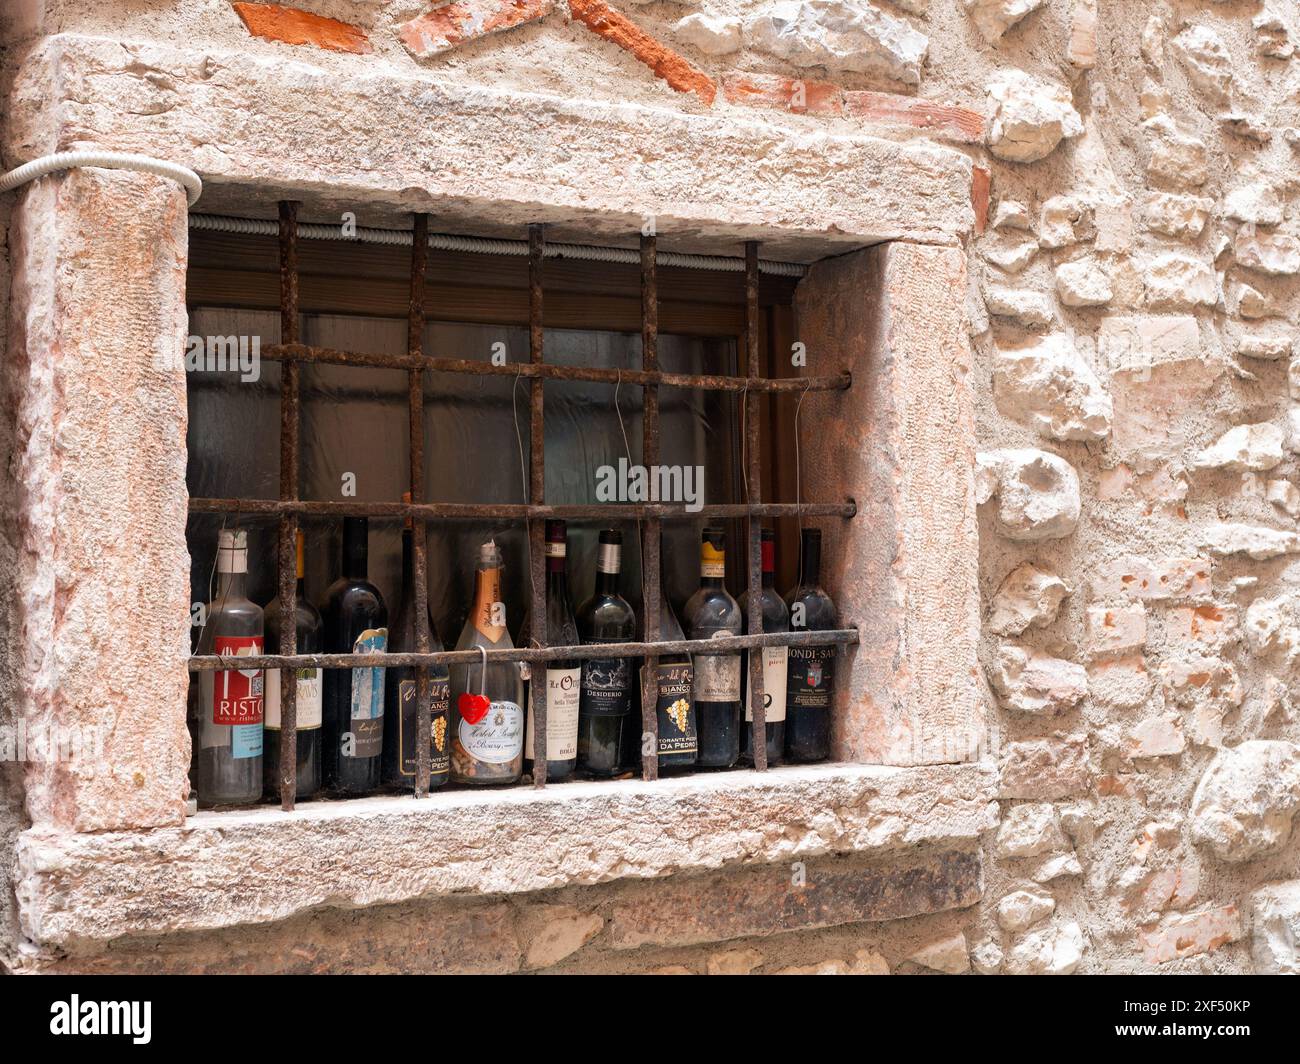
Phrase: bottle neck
pixel 608 562
pixel 487 592
pixel 408 561
pixel 232 586
pixel 355 549
pixel 713 570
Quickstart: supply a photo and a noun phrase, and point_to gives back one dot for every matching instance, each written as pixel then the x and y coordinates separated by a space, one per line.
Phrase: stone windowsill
pixel 229 868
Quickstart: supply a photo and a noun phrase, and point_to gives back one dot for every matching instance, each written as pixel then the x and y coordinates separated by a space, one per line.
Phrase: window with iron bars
pixel 748 387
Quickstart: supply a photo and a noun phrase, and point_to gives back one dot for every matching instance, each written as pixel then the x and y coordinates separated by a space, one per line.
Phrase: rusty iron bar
pixel 651 577
pixel 754 494
pixel 415 384
pixel 836 636
pixel 548 371
pixel 288 492
pixel 537 496
pixel 438 511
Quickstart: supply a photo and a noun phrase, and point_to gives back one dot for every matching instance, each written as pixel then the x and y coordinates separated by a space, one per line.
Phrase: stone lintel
pixel 243 868
pixel 380 140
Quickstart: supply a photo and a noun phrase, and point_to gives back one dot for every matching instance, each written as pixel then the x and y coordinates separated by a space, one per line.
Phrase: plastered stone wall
pixel 1132 250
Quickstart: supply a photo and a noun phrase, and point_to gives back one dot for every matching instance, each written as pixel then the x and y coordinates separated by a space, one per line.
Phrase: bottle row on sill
pixel 357 728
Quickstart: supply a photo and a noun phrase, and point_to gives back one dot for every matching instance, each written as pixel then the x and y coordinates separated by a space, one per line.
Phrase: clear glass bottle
pixel 812 669
pixel 226 708
pixel 606 697
pixel 563 678
pixel 711 612
pixel 776 618
pixel 356 622
pixel 310 629
pixel 487 716
pixel 401 689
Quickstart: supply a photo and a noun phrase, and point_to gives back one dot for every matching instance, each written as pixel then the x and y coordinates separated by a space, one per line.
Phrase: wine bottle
pixel 356 622
pixel 563 677
pixel 675 701
pixel 401 689
pixel 310 631
pixel 711 613
pixel 776 618
pixel 606 690
pixel 487 716
pixel 227 706
pixel 812 669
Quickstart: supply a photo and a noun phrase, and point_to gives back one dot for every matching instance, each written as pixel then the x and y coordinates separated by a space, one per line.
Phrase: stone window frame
pixel 106 850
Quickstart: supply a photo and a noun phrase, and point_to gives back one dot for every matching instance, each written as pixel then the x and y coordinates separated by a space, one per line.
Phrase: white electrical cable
pixel 487 246
pixel 111 160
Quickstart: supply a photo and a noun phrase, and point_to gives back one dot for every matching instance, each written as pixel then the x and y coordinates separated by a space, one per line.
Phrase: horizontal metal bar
pixel 218 223
pixel 548 371
pixel 456 511
pixel 216 663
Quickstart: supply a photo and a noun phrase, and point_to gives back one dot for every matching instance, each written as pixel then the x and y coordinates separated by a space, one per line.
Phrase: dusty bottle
pixel 710 613
pixel 356 622
pixel 401 690
pixel 606 696
pixel 776 618
pixel 563 678
pixel 310 636
pixel 487 716
pixel 675 702
pixel 226 709
pixel 812 669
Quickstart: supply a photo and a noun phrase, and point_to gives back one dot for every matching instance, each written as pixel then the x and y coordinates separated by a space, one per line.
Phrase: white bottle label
pixel 309 699
pixel 498 738
pixel 563 687
pixel 717 677
pixel 774 676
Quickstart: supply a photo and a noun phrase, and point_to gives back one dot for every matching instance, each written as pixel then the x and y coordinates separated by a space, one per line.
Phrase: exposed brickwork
pixel 292 25
pixel 454 24
pixel 940 120
pixel 787 94
pixel 602 20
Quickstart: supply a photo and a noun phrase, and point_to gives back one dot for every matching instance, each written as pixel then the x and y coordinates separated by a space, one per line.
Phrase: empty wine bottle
pixel 356 622
pixel 310 630
pixel 776 618
pixel 487 716
pixel 563 677
pixel 710 613
pixel 401 689
pixel 812 669
pixel 606 694
pixel 675 704
pixel 226 707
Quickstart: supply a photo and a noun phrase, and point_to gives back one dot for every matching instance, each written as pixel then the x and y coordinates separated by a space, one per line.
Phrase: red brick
pixel 453 24
pixel 942 120
pixel 786 94
pixel 294 26
pixel 605 22
pixel 981 181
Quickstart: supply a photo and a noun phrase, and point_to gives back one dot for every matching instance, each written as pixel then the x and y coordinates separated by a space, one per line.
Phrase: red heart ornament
pixel 473 708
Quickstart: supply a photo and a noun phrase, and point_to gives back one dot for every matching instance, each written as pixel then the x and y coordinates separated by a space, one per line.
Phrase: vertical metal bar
pixel 415 381
pixel 537 495
pixel 754 481
pixel 288 491
pixel 651 579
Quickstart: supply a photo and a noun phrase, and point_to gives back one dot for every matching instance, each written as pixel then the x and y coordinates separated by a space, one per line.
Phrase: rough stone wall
pixel 1132 309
